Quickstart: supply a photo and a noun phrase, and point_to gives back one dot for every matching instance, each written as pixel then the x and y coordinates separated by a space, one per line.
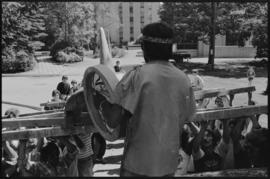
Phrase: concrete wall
pixel 227 51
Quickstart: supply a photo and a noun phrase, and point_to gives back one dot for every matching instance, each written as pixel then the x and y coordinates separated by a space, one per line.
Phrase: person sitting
pixel 74 87
pixel 12 113
pixel 64 88
pixel 117 67
pixel 55 98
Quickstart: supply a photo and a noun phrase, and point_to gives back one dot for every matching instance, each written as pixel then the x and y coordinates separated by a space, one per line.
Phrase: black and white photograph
pixel 135 89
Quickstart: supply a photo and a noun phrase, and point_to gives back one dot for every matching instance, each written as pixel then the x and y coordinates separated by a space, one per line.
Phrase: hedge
pixel 67 53
pixel 20 62
pixel 63 57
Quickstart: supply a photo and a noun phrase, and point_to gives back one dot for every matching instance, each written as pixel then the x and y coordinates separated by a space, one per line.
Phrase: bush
pixel 63 57
pixel 58 46
pixel 17 63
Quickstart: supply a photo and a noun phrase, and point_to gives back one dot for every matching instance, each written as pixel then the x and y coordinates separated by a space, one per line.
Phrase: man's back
pixel 161 99
pixel 63 88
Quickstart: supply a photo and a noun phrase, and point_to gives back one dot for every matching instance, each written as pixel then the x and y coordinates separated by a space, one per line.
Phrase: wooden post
pixel 22 157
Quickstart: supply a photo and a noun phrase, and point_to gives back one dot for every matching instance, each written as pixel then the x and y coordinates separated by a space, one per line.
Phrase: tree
pixel 194 19
pixel 22 26
pixel 70 21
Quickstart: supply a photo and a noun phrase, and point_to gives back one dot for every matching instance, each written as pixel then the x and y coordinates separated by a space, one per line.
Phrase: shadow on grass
pixel 237 69
pixel 113 159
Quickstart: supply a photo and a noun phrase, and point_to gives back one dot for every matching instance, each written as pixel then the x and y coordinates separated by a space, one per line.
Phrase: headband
pixel 157 40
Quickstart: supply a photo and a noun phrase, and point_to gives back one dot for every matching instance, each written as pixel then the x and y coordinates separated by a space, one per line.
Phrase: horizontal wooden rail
pixel 206 114
pixel 45 132
pixel 247 172
pixel 232 112
pixel 210 93
pixel 22 105
pixel 54 119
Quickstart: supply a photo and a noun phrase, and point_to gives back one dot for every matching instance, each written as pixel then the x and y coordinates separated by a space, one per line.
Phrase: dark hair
pixel 64 77
pixel 54 92
pixel 215 134
pixel 50 153
pixel 12 112
pixel 259 138
pixel 73 82
pixel 155 50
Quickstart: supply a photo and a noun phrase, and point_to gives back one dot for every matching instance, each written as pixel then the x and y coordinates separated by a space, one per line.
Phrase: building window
pixel 131 30
pixel 131 9
pixel 142 5
pixel 131 19
pixel 131 38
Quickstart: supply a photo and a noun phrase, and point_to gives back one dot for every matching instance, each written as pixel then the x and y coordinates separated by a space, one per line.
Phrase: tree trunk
pixel 211 55
pixel 95 28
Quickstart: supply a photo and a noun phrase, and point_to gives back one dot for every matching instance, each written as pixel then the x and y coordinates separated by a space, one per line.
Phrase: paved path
pixel 47 68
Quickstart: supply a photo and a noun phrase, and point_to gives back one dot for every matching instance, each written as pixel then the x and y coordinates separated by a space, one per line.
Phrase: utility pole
pixel 211 56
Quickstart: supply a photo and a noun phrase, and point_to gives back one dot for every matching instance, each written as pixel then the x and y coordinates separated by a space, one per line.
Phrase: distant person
pixel 12 113
pixel 64 88
pixel 117 67
pixel 55 98
pixel 74 86
pixel 250 75
pixel 197 81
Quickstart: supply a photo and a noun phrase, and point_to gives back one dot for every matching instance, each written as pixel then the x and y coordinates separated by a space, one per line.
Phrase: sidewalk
pixel 47 68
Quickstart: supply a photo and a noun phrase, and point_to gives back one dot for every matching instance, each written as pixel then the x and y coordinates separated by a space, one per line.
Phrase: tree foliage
pixel 69 21
pixel 22 26
pixel 191 21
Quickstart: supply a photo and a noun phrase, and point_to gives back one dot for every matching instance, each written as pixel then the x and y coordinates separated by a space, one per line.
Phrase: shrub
pixel 18 63
pixel 63 57
pixel 58 46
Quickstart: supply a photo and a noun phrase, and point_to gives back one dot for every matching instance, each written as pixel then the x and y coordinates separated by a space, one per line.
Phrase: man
pixel 64 88
pixel 158 99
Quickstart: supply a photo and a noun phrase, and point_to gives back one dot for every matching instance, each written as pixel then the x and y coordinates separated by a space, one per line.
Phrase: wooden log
pixel 45 132
pixel 249 172
pixel 48 115
pixel 221 92
pixel 54 104
pixel 22 105
pixel 36 113
pixel 209 114
pixel 232 112
pixel 45 121
pixel 32 122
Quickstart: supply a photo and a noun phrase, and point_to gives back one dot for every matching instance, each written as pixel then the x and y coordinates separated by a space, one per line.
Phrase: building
pixel 123 21
pixel 223 49
pixel 134 16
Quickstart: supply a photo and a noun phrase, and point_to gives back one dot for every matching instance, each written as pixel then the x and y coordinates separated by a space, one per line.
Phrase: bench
pixel 210 93
pixel 180 56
